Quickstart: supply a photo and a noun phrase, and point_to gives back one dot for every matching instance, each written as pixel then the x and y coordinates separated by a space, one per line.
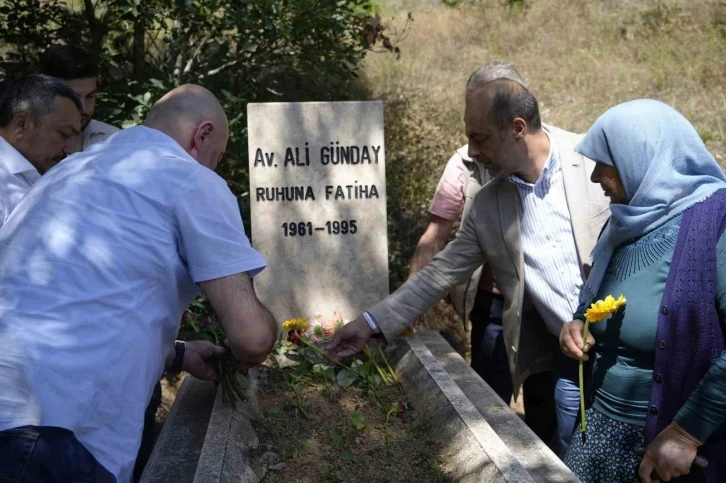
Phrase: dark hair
pixel 68 62
pixel 33 94
pixel 512 100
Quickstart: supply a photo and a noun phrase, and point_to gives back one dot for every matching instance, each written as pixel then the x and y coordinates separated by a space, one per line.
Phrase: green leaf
pixel 325 372
pixel 358 420
pixel 157 83
pixel 336 437
pixel 365 369
pixel 243 381
pixel 346 377
pixel 374 380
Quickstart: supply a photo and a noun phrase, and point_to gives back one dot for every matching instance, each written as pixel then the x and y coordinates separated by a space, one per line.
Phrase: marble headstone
pixel 318 199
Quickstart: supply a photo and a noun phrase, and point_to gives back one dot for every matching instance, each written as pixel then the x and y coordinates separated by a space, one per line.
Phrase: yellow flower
pixel 602 309
pixel 299 324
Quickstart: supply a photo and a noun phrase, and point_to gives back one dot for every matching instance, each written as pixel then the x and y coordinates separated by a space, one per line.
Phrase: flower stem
pixel 320 351
pixel 372 357
pixel 583 424
pixel 394 376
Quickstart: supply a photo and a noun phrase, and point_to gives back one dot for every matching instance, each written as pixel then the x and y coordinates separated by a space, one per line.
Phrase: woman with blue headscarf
pixel 657 379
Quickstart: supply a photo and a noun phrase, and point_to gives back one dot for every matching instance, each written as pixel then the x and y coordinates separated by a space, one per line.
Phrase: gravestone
pixel 318 199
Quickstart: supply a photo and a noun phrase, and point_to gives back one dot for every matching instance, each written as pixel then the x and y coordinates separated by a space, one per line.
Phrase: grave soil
pixel 307 436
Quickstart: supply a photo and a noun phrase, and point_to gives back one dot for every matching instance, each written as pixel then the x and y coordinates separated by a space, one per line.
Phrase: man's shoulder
pixel 100 127
pixel 561 135
pixel 491 189
pixel 96 132
pixel 463 153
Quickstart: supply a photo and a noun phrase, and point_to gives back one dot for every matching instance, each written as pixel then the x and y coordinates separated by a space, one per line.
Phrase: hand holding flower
pixel 600 310
pixel 572 343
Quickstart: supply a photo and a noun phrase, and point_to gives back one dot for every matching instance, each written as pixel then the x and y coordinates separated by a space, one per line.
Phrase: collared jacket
pixel 491 233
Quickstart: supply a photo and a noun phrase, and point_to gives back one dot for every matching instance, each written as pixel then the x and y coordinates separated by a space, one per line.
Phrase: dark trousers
pixel 147 437
pixel 44 454
pixel 489 360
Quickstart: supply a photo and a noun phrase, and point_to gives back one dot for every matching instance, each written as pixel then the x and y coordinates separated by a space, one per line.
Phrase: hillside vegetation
pixel 579 58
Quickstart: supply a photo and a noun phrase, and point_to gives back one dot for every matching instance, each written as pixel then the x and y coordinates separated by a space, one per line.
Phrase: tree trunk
pixel 139 50
pixel 94 30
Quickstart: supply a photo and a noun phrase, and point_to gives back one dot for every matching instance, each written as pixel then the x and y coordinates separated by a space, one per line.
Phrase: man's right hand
pixel 571 340
pixel 350 339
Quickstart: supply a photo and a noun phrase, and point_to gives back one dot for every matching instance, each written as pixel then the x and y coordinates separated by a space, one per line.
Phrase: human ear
pixel 203 132
pixel 20 124
pixel 519 128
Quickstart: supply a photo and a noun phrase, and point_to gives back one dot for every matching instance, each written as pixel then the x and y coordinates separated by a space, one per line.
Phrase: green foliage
pixel 346 377
pixel 337 438
pixel 416 153
pixel 358 420
pixel 242 50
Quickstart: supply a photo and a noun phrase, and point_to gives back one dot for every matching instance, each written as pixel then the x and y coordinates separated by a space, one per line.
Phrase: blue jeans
pixel 32 454
pixel 567 400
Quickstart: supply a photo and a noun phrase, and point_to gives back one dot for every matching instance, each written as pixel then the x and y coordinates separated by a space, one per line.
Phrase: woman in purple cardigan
pixel 657 367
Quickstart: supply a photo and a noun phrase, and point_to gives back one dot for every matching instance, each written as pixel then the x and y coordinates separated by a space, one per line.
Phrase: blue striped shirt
pixel 551 266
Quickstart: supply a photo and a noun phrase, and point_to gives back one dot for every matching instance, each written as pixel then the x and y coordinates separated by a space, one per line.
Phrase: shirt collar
pixel 13 160
pixel 145 135
pixel 549 169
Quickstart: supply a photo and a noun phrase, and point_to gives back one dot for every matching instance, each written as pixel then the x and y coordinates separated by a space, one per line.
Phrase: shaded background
pixel 579 57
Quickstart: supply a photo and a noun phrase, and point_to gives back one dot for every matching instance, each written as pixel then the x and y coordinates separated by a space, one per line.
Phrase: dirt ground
pixel 310 437
pixel 438 318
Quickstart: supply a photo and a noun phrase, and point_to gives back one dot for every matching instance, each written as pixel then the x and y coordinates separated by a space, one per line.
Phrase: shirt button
pixel 653 410
pixel 661 344
pixel 664 310
pixel 658 378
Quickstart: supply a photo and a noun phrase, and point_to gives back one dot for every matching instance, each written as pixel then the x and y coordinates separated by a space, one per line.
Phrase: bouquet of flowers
pixel 205 325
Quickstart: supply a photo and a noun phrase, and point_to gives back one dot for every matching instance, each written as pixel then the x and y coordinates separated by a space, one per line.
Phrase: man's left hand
pixel 670 455
pixel 199 358
pixel 350 339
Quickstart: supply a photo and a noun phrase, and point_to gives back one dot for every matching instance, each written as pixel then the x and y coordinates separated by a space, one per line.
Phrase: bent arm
pixel 453 265
pixel 431 243
pixel 705 409
pixel 250 327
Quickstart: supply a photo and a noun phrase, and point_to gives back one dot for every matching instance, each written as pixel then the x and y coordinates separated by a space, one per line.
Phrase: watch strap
pixel 179 349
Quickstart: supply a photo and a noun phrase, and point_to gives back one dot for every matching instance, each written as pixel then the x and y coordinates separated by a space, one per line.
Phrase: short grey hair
pixel 35 95
pixel 490 72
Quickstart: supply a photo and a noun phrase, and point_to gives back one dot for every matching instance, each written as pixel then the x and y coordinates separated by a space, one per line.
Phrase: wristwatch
pixel 179 348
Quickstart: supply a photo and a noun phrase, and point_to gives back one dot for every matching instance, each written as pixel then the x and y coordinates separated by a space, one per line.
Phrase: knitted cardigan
pixel 689 338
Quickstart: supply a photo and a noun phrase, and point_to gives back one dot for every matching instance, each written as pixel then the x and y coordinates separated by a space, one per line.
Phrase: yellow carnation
pixel 602 309
pixel 299 324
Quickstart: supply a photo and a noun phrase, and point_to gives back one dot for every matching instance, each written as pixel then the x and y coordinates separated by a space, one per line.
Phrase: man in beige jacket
pixel 535 223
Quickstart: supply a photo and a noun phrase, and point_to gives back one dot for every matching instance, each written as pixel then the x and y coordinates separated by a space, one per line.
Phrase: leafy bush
pixel 242 50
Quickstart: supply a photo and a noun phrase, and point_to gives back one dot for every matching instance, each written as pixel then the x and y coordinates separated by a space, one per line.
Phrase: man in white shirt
pixel 97 263
pixel 40 118
pixel 79 71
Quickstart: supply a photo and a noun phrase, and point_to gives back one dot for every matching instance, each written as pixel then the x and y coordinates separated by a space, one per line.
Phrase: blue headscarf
pixel 663 164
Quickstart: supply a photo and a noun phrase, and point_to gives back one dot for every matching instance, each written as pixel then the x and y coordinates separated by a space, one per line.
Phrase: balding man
pixel 98 262
pixel 535 224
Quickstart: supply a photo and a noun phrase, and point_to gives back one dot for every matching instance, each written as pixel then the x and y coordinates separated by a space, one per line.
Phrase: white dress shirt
pixel 551 265
pixel 96 132
pixel 17 175
pixel 97 264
